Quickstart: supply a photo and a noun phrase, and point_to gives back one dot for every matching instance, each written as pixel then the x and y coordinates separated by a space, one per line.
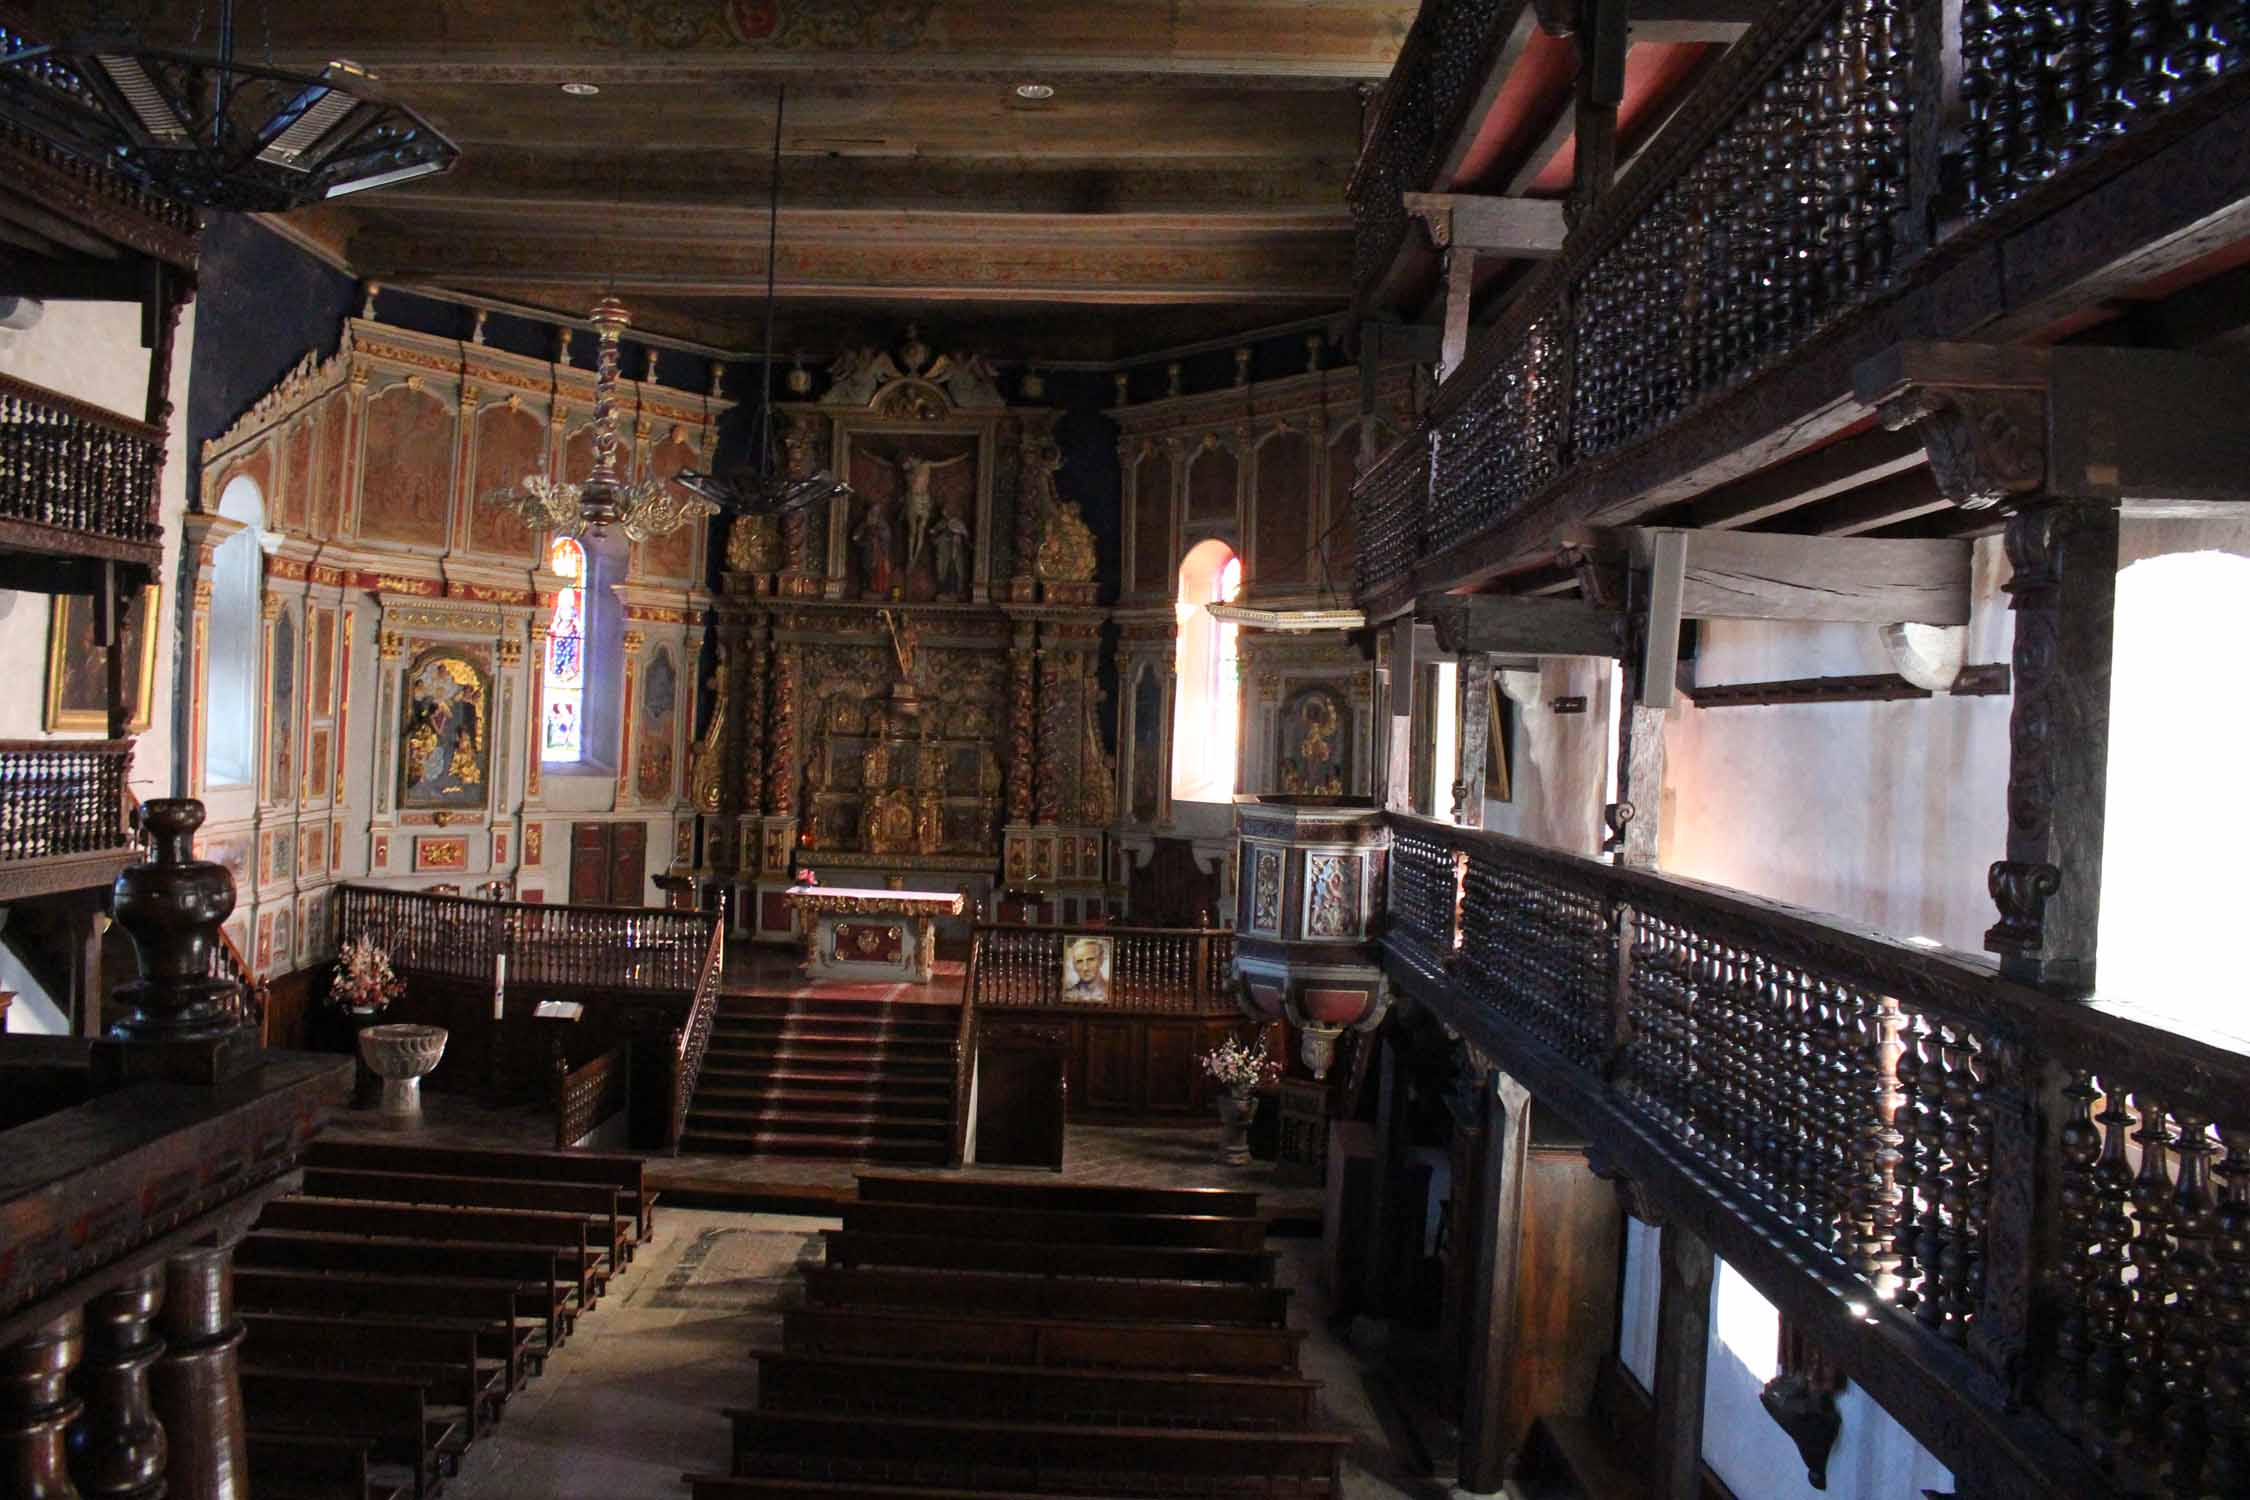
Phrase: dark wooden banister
pixel 2023 1224
pixel 1181 970
pixel 605 947
pixel 690 1041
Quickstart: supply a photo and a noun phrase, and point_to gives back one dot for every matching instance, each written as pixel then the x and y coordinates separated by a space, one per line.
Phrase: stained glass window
pixel 566 654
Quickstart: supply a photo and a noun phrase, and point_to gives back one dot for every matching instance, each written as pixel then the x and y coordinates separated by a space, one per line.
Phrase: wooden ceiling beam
pixel 1523 228
pixel 1821 474
pixel 1886 502
pixel 1746 575
pixel 1511 625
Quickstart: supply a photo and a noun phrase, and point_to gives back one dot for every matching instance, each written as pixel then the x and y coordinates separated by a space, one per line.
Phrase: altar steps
pixel 810 1076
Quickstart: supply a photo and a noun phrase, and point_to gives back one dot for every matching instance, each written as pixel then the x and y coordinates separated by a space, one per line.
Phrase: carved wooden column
pixel 633 641
pixel 781 758
pixel 1022 663
pixel 118 1448
pixel 197 1384
pixel 1683 1347
pixel 1398 735
pixel 744 768
pixel 36 1409
pixel 1984 415
pixel 1491 1216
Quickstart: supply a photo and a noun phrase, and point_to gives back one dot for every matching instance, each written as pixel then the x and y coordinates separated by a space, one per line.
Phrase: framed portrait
pixel 444 751
pixel 78 670
pixel 1086 970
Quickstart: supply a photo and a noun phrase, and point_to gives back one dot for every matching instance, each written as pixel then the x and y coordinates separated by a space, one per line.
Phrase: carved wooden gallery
pixel 1591 628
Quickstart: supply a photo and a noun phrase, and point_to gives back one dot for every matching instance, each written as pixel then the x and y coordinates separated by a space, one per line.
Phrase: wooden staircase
pixel 865 1080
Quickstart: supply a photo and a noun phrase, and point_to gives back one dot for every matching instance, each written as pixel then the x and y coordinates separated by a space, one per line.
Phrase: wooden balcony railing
pixel 1181 970
pixel 1799 188
pixel 617 948
pixel 2023 1225
pixel 1423 106
pixel 74 467
pixel 62 797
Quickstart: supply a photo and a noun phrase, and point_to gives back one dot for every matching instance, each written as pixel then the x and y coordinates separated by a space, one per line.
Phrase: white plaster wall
pixel 92 351
pixel 1636 1303
pixel 1874 1458
pixel 1889 813
pixel 1561 760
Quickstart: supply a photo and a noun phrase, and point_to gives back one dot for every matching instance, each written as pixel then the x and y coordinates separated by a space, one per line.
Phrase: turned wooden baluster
pixel 2080 1145
pixel 117 1449
pixel 2187 1345
pixel 2108 1293
pixel 2151 1255
pixel 2227 1404
pixel 197 1384
pixel 36 1409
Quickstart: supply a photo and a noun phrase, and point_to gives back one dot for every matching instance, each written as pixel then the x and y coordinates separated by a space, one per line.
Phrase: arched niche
pixel 1207 708
pixel 230 746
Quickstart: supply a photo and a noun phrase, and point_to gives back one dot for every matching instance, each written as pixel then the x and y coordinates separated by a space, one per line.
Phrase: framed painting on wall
pixel 1086 971
pixel 444 758
pixel 78 670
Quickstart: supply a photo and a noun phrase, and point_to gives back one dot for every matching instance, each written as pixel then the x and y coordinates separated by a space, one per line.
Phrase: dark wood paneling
pixel 1285 510
pixel 1112 1078
pixel 589 864
pixel 1169 1070
pixel 1152 523
pixel 628 871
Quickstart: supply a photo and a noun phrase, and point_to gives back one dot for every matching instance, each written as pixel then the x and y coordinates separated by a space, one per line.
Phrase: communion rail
pixel 1183 970
pixel 1798 217
pixel 595 947
pixel 2023 1225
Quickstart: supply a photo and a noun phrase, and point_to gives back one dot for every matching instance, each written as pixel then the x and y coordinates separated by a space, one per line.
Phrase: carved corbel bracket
pixel 1810 1418
pixel 1632 1196
pixel 1980 411
pixel 2020 889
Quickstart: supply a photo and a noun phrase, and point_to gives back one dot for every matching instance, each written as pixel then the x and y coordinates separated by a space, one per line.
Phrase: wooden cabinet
pixel 608 863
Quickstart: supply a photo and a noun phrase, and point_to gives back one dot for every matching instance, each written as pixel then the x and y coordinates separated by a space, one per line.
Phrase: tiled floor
pixel 635 1399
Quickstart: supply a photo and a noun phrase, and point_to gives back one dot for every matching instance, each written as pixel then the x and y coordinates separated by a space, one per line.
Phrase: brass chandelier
pixel 642 509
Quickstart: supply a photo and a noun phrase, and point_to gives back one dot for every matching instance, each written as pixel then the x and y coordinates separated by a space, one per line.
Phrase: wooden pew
pixel 520 1265
pixel 1032 1393
pixel 1226 1203
pixel 505 1309
pixel 608 1169
pixel 596 1201
pixel 1039 1341
pixel 1081 1297
pixel 578 1252
pixel 1038 1456
pixel 1171 1231
pixel 441 1353
pixel 1040 1258
pixel 388 1413
pixel 310 1466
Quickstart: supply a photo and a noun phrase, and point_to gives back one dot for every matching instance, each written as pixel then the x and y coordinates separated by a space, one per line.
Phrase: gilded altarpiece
pixel 908 671
pixel 402 623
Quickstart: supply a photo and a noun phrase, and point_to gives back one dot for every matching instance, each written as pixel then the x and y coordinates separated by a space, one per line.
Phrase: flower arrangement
pixel 364 980
pixel 1239 1069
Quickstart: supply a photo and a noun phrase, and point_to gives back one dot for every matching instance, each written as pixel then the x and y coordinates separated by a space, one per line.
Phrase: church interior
pixel 917 748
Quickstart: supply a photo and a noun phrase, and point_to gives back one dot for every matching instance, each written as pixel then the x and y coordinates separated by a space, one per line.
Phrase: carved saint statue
pixel 949 553
pixel 874 536
pixel 914 475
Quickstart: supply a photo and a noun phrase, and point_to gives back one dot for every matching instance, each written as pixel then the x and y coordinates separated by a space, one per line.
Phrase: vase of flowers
pixel 1239 1071
pixel 363 988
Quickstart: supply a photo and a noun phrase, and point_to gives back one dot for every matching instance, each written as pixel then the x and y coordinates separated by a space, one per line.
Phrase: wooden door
pixel 628 863
pixel 1020 1095
pixel 589 864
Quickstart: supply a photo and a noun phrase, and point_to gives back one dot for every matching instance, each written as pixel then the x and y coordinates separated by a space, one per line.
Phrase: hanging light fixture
pixel 211 131
pixel 650 507
pixel 768 488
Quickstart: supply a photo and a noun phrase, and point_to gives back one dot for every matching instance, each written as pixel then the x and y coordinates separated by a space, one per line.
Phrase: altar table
pixel 850 933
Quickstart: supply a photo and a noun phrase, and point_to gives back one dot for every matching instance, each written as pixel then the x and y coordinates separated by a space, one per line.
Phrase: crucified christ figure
pixel 915 471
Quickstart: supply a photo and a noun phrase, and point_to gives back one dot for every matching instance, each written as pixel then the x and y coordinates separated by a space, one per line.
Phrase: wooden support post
pixel 1473 695
pixel 1460 293
pixel 2049 887
pixel 1602 40
pixel 1683 1338
pixel 1374 1298
pixel 86 989
pixel 1398 784
pixel 117 1452
pixel 1493 1217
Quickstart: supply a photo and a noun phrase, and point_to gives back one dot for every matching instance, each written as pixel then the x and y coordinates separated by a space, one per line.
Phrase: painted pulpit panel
pixel 511 445
pixel 406 481
pixel 445 757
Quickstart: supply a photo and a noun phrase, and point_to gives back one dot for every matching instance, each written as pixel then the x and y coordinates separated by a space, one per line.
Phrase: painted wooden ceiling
pixel 1184 180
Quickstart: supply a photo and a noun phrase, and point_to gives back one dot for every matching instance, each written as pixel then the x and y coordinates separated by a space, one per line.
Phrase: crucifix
pixel 915 471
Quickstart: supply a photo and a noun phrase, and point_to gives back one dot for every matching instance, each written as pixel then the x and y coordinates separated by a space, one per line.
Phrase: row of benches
pixel 395 1303
pixel 1035 1340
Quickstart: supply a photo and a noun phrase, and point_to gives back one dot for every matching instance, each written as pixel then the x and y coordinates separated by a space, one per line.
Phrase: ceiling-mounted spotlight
pixel 1035 92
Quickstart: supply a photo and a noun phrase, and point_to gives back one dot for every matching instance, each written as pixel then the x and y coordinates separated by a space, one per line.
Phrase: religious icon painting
pixel 660 691
pixel 1314 729
pixel 78 670
pixel 444 759
pixel 282 696
pixel 1086 970
pixel 1265 892
pixel 1332 896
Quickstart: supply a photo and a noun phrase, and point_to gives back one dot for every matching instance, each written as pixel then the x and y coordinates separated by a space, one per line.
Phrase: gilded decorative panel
pixel 673 554
pixel 511 443
pixel 281 717
pixel 660 692
pixel 1332 893
pixel 407 478
pixel 450 852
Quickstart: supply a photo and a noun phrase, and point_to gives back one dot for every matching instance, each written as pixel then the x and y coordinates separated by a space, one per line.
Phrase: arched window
pixel 230 754
pixel 563 736
pixel 1207 710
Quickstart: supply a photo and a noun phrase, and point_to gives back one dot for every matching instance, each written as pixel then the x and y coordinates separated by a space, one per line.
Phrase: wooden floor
pixel 1118 1156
